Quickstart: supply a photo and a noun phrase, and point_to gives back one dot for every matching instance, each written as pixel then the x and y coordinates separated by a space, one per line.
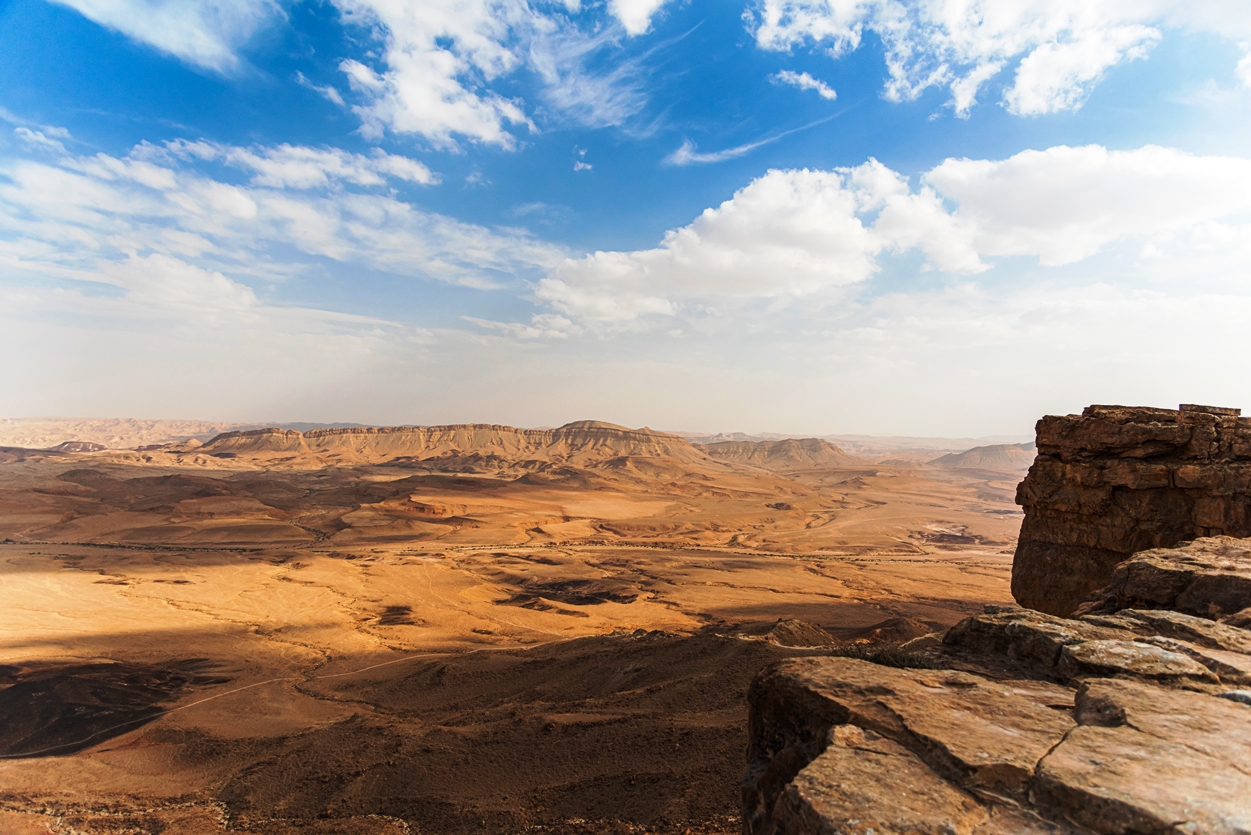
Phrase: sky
pixel 937 217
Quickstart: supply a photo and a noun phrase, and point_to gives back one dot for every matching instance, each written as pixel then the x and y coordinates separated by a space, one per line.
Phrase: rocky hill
pixel 1131 716
pixel 788 454
pixel 1009 457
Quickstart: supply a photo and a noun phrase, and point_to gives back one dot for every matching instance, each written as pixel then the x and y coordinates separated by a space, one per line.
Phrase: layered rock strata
pixel 1115 481
pixel 1134 717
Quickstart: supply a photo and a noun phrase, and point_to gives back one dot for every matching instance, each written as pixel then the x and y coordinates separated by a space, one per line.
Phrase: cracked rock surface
pixel 1131 716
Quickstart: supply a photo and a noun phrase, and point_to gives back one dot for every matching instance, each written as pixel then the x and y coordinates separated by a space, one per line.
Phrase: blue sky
pixel 802 216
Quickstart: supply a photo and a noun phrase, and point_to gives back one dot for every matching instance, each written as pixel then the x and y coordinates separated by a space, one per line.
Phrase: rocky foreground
pixel 1131 716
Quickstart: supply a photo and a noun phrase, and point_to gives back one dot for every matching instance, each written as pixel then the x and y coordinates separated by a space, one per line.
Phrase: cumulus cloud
pixel 204 33
pixel 1244 70
pixel 440 57
pixel 804 81
pixel 793 234
pixel 635 15
pixel 788 232
pixel 1065 204
pixel 1062 48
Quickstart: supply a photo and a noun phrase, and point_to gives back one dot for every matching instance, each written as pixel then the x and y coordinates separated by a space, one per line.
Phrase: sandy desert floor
pixel 195 644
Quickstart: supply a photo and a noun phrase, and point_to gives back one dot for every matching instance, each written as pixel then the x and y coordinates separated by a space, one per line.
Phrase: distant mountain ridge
pixel 788 454
pixel 580 443
pixel 1011 457
pixel 585 443
pixel 122 433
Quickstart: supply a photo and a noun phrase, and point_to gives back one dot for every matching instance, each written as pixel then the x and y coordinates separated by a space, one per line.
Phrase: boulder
pixel 1209 577
pixel 799 633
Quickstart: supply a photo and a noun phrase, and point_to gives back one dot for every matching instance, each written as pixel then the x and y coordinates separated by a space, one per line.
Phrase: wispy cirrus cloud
pixel 804 81
pixel 303 207
pixel 204 33
pixel 687 154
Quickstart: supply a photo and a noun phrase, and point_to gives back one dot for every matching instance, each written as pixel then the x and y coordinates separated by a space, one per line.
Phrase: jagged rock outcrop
pixel 1120 721
pixel 1115 481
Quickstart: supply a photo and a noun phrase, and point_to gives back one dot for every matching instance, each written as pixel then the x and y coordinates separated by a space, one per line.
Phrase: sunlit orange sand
pixel 460 629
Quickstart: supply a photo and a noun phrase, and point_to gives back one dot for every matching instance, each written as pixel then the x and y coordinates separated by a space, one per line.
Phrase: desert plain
pixel 447 629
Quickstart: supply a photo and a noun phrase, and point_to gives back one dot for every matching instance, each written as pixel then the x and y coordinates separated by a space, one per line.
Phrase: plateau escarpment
pixel 1119 480
pixel 574 443
pixel 788 454
pixel 1132 716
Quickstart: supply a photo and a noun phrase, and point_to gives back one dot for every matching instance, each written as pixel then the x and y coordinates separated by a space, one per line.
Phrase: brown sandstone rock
pixel 1169 624
pixel 864 784
pixel 1117 480
pixel 1240 619
pixel 1027 636
pixel 799 633
pixel 1208 577
pixel 1091 659
pixel 1150 760
pixel 1132 718
pixel 976 734
pixel 1232 668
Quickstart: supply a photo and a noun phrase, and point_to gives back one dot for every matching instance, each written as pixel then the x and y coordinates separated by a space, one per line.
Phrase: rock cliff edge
pixel 1119 702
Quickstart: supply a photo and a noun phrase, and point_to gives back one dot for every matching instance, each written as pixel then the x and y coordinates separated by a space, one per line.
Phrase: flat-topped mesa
pixel 1117 480
pixel 788 454
pixel 572 443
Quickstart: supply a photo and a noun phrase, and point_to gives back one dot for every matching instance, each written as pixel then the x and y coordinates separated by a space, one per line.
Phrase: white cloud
pixel 804 81
pixel 438 57
pixel 1065 204
pixel 1244 70
pixel 788 232
pixel 635 15
pixel 558 53
pixel 206 33
pixel 542 326
pixel 1063 46
pixel 292 166
pixel 438 60
pixel 328 92
pixel 686 154
pixel 803 233
pixel 78 217
pixel 1058 76
pixel 38 139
